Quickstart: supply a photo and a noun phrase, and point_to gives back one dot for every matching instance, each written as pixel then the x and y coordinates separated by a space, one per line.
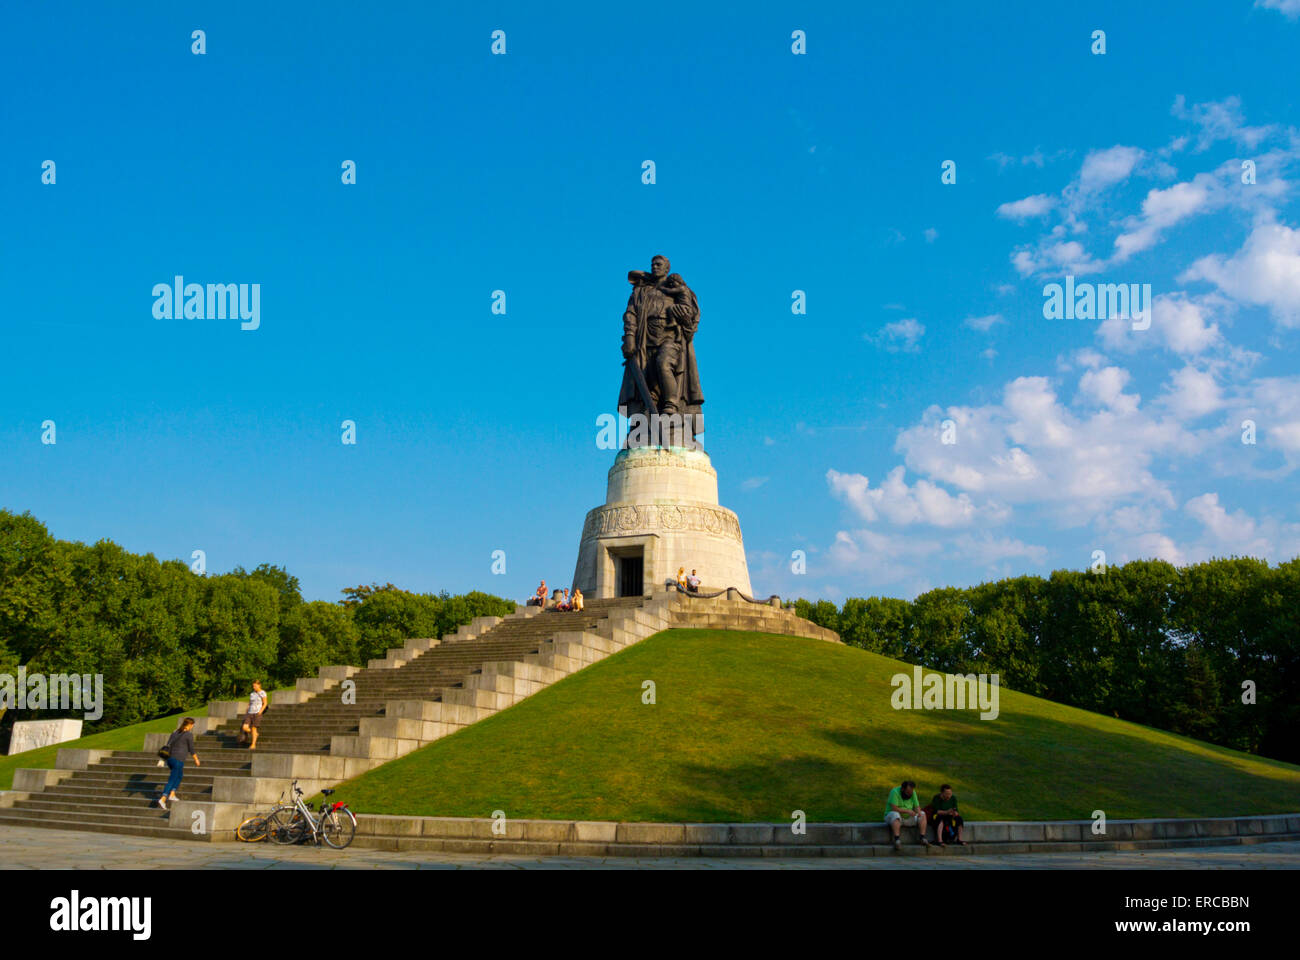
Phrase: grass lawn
pixel 750 727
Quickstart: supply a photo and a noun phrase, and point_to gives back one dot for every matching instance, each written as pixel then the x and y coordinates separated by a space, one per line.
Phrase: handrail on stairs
pixel 740 593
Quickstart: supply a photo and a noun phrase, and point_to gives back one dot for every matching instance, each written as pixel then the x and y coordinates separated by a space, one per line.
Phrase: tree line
pixel 167 639
pixel 1185 649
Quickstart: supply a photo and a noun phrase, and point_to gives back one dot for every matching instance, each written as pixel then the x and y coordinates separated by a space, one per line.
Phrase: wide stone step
pixel 231 745
pixel 157 778
pixel 129 777
pixel 130 797
pixel 148 758
pixel 59 823
pixel 147 818
pixel 143 769
pixel 215 762
pixel 130 806
pixel 266 740
pixel 319 708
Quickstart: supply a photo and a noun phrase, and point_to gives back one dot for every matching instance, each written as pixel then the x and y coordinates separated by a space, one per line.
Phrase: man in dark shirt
pixel 179 746
pixel 946 815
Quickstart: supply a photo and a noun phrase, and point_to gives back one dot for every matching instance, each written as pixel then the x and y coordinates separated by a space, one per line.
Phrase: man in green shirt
pixel 903 809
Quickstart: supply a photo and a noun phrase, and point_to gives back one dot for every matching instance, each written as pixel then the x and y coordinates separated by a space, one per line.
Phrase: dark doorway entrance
pixel 631 575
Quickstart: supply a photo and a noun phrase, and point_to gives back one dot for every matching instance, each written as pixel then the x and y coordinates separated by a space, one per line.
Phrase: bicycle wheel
pixel 285 827
pixel 252 830
pixel 338 827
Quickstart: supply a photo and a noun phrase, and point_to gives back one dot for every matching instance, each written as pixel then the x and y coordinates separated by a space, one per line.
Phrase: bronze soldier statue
pixel 660 375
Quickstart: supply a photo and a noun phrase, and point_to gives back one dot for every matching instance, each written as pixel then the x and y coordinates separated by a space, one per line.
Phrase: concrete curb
pixel 609 839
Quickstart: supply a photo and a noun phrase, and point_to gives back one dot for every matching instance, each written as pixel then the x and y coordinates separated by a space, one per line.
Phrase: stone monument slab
pixel 32 734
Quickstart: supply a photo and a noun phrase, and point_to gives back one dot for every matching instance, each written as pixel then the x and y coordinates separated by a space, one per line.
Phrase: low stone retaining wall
pixel 610 839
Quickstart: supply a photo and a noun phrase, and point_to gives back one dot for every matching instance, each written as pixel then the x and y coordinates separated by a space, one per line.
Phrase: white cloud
pixel 1087 357
pixel 1154 546
pixel 1274 404
pixel 1035 159
pixel 882 558
pixel 895 501
pixel 1221 119
pixel 1228 532
pixel 986 322
pixel 1179 323
pixel 1081 206
pixel 753 483
pixel 903 563
pixel 931 235
pixel 1264 272
pixel 1105 458
pixel 1192 393
pixel 991 549
pixel 1105 388
pixel 1103 169
pixel 1034 206
pixel 1031 449
pixel 1064 257
pixel 900 336
pixel 1222 533
pixel 1288 8
pixel 1160 210
pixel 1127 521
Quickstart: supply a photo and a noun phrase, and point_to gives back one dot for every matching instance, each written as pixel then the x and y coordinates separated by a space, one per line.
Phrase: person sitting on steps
pixel 948 824
pixel 693 583
pixel 538 599
pixel 903 809
pixel 577 600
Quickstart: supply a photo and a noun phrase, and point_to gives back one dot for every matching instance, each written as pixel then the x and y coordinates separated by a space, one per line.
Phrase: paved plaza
pixel 31 848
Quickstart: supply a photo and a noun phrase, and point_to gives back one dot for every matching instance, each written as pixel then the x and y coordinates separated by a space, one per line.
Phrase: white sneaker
pixel 162 803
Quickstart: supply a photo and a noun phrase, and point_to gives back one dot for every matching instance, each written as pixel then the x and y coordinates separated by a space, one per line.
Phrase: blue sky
pixel 774 173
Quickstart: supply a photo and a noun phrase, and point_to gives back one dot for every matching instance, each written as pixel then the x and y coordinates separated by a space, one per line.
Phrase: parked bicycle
pixel 253 829
pixel 295 823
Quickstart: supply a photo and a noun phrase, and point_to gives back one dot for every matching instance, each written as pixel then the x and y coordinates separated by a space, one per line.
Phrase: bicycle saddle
pixel 326 793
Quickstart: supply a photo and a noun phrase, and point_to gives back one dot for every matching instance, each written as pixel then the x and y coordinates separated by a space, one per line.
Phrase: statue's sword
pixel 639 378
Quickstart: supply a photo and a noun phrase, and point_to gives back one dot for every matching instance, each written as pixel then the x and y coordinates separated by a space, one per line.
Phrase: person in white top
pixel 256 707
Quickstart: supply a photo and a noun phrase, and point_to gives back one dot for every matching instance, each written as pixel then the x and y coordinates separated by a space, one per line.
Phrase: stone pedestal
pixel 661 511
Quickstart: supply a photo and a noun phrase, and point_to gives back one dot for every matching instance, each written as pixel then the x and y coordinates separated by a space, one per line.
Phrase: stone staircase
pixel 731 611
pixel 347 720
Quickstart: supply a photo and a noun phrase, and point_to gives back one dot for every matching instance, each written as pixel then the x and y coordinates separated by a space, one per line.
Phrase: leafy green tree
pixel 941 631
pixel 314 635
pixel 878 624
pixel 387 616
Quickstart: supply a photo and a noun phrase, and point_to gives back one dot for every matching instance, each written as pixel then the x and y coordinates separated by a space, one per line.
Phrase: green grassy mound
pixel 750 727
